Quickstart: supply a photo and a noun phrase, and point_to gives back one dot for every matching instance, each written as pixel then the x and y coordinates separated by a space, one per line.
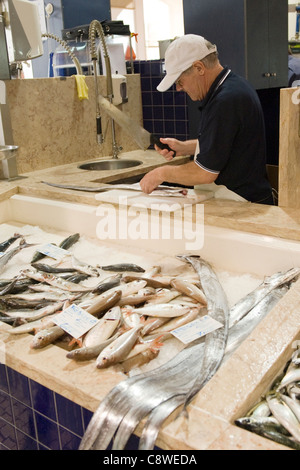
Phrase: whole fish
pixel 51 269
pixel 291 376
pixel 267 429
pixel 65 244
pixel 6 244
pixel 162 310
pixel 4 259
pixel 178 321
pixel 85 353
pixel 29 316
pixel 118 348
pixel 163 295
pixel 106 285
pixel 104 328
pixel 18 303
pixel 294 405
pixel 33 326
pixel 140 359
pixel 84 268
pixel 121 267
pixel 47 336
pixel 189 289
pixel 152 323
pixel 103 302
pixel 139 297
pixel 243 306
pixel 156 282
pixel 55 281
pixel 282 412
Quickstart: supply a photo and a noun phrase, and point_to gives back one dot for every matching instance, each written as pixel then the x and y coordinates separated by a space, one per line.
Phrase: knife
pixel 142 137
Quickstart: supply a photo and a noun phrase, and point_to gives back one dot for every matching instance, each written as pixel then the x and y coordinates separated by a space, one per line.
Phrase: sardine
pixel 121 267
pixel 284 415
pixel 55 281
pixel 269 429
pixel 6 244
pixel 4 259
pixel 46 268
pixel 106 285
pixel 292 376
pixel 118 348
pixel 294 405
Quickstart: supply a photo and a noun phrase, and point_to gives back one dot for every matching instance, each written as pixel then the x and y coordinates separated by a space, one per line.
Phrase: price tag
pixel 196 329
pixel 75 320
pixel 53 251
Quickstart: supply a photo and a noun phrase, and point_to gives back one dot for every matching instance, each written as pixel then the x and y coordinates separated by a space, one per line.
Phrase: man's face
pixel 192 82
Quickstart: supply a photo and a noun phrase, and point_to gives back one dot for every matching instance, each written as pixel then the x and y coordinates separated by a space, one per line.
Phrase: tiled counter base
pixel 32 417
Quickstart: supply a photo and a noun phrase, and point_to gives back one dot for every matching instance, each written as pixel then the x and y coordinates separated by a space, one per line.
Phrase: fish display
pixel 137 311
pixel 277 415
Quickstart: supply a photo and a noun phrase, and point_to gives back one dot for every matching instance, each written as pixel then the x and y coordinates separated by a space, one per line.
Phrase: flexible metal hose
pixel 65 45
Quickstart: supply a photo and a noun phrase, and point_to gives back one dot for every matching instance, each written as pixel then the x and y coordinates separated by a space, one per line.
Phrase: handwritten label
pixel 53 251
pixel 196 329
pixel 75 320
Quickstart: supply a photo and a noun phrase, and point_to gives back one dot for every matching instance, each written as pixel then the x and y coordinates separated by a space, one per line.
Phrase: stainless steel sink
pixel 109 165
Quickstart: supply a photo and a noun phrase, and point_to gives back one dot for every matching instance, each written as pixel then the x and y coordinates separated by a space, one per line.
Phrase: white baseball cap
pixel 180 55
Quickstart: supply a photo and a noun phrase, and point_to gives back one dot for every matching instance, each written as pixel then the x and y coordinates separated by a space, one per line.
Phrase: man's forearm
pixel 188 174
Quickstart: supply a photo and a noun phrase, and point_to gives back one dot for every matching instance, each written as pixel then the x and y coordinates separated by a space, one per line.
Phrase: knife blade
pixel 142 137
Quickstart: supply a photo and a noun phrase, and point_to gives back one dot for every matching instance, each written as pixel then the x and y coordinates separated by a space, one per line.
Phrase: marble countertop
pixel 277 221
pixel 236 385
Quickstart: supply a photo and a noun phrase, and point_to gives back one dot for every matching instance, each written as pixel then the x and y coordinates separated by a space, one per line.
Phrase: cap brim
pixel 168 81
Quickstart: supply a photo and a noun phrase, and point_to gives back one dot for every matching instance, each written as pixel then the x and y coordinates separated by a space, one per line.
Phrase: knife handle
pixel 156 141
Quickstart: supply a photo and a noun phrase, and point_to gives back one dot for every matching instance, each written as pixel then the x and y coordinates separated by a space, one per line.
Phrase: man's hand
pixel 151 180
pixel 181 148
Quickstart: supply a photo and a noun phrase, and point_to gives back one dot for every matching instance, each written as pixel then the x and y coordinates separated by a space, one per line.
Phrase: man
pixel 230 148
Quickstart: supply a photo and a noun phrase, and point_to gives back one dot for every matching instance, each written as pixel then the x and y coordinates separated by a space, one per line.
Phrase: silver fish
pixel 4 259
pixel 284 415
pixel 6 244
pixel 104 328
pixel 162 310
pixel 189 289
pixel 47 336
pixel 55 281
pixel 244 305
pixel 85 353
pixel 118 348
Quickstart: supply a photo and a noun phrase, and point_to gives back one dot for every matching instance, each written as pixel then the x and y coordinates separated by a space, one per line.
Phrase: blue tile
pixel 3 378
pixel 168 98
pixel 69 414
pixel 68 440
pixel 19 386
pixel 169 113
pixel 180 113
pixel 169 128
pixel 7 435
pixel 157 98
pixel 47 432
pixel 25 442
pixel 158 127
pixel 145 84
pixel 147 98
pixel 5 407
pixel 148 125
pixel 23 416
pixel 87 416
pixel 43 400
pixel 156 69
pixel 147 112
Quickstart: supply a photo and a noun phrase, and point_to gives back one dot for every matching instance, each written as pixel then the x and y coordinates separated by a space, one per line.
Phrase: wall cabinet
pixel 251 35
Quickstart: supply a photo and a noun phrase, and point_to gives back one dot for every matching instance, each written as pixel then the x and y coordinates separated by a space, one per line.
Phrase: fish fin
pixel 75 341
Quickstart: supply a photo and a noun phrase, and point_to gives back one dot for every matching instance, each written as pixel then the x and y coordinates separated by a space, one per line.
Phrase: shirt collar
pixel 215 85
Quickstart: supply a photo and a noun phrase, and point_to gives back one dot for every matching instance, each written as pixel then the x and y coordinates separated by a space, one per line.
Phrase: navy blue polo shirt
pixel 231 136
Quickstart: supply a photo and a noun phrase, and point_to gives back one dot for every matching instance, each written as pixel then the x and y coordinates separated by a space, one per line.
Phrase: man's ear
pixel 199 66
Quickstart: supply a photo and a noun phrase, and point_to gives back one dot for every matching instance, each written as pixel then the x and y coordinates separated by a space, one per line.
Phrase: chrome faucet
pixel 8 152
pixel 96 29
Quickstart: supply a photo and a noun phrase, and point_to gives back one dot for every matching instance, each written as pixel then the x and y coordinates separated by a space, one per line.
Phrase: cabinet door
pixel 278 43
pixel 257 43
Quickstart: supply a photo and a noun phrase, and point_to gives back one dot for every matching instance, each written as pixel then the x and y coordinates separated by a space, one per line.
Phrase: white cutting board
pixel 125 197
